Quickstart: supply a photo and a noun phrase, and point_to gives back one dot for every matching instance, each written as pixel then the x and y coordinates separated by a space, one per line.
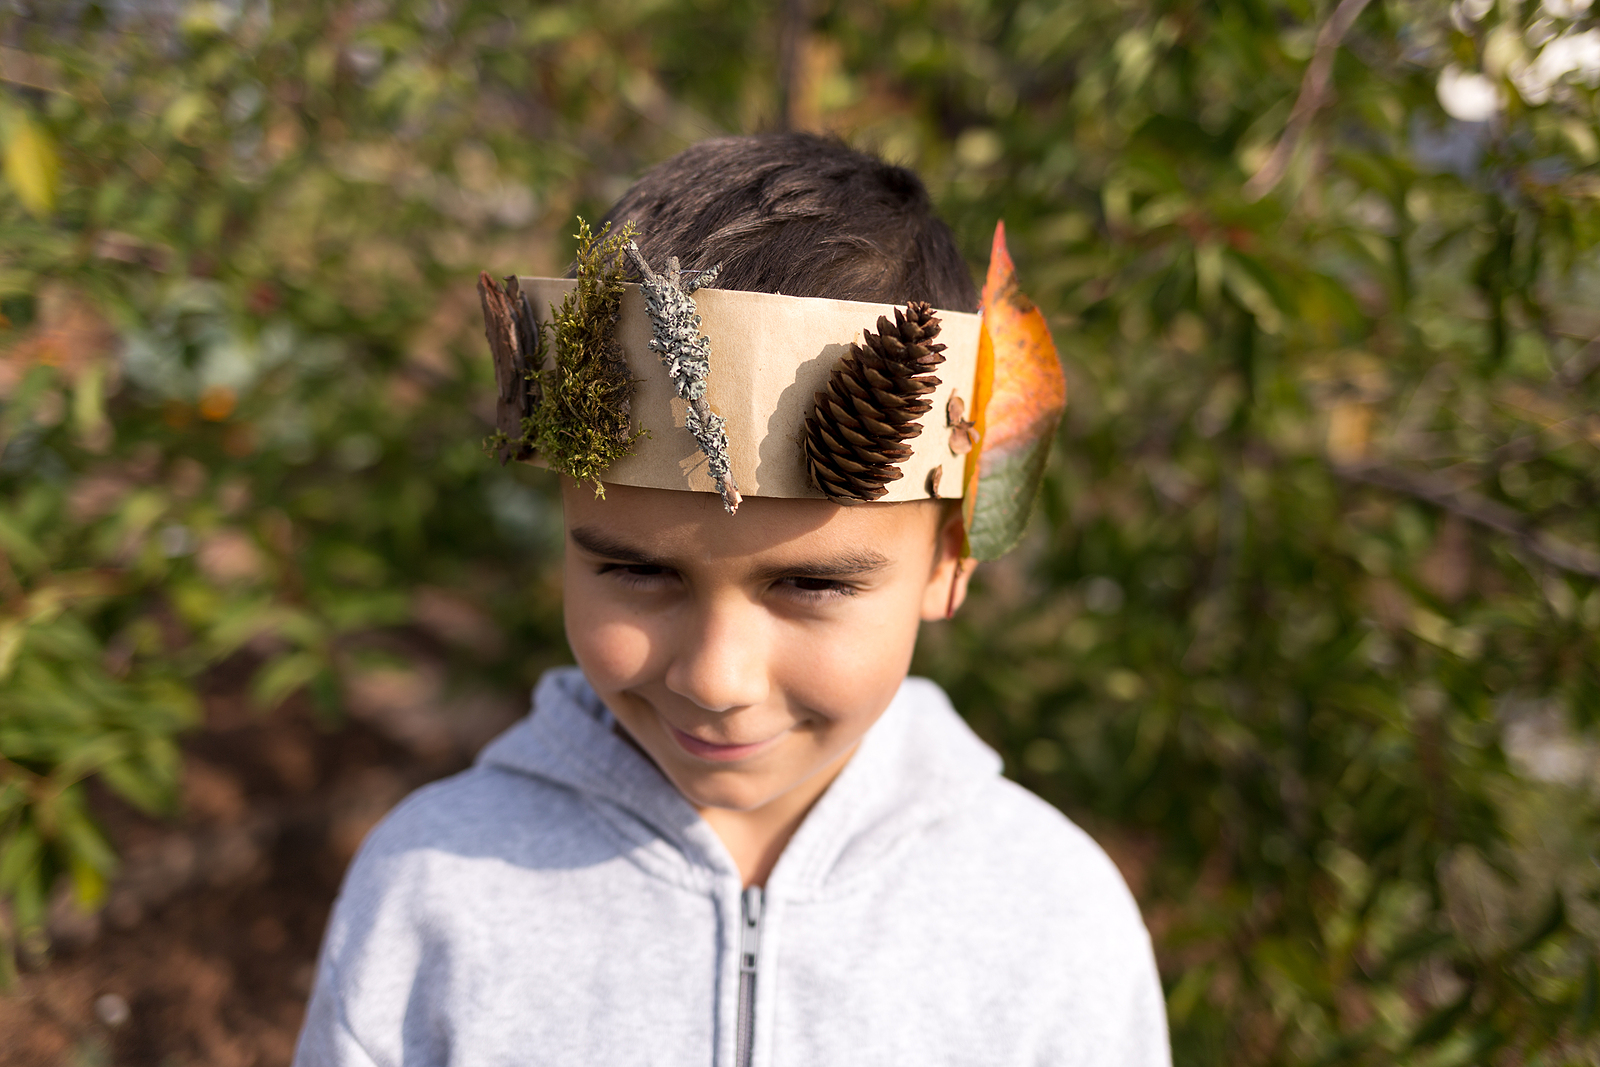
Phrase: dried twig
pixel 515 392
pixel 1578 559
pixel 1314 92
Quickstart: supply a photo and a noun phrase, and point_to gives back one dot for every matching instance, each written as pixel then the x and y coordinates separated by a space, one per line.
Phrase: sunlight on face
pixel 747 655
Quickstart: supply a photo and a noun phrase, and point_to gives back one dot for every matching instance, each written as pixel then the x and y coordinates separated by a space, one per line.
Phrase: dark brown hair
pixel 802 215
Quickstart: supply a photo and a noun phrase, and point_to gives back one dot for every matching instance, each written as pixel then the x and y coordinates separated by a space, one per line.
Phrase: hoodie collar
pixel 918 764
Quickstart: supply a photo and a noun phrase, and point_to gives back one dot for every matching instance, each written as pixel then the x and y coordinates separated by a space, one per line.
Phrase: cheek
pixel 614 647
pixel 851 671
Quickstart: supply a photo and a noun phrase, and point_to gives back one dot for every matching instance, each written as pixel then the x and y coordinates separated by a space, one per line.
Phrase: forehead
pixel 694 525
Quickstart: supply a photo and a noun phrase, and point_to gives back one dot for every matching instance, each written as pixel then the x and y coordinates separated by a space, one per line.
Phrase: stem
pixel 1314 92
pixel 1579 559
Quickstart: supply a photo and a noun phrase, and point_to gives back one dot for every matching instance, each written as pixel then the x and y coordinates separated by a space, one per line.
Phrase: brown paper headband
pixel 807 397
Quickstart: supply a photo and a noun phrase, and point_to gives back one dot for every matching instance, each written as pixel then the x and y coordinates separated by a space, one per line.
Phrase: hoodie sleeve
pixel 1109 1011
pixel 1144 1040
pixel 373 1003
pixel 1091 964
pixel 326 1039
pixel 1127 1013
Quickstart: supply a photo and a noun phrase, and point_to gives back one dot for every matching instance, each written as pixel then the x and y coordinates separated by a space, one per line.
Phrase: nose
pixel 721 660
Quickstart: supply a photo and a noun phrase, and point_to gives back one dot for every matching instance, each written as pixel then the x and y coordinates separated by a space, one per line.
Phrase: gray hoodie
pixel 561 903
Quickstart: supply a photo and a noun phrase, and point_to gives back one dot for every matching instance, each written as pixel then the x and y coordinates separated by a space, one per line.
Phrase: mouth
pixel 709 750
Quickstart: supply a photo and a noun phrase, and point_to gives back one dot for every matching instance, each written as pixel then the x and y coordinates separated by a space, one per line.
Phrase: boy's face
pixel 748 654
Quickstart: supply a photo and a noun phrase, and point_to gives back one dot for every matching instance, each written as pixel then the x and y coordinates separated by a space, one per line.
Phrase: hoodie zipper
pixel 749 950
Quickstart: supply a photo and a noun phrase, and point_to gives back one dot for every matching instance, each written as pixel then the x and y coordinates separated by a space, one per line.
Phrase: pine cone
pixel 855 438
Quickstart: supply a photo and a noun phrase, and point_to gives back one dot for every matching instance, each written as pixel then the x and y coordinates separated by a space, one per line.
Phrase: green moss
pixel 582 423
pixel 491 444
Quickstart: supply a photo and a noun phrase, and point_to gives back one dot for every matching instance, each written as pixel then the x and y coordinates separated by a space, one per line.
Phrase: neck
pixel 756 838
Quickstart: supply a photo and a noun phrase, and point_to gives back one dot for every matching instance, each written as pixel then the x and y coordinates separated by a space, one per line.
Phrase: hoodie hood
pixel 918 764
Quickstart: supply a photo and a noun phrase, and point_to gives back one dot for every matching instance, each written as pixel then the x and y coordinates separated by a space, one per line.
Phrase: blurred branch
pixel 1528 448
pixel 1420 408
pixel 1579 559
pixel 30 71
pixel 1525 449
pixel 1314 92
pixel 1576 370
pixel 11 591
pixel 648 98
pixel 794 21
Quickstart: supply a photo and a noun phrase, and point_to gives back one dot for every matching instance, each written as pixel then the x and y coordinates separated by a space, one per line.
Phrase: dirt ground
pixel 205 950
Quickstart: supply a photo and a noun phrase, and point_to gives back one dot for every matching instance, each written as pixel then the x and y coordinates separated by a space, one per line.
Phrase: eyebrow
pixel 847 565
pixel 850 565
pixel 597 543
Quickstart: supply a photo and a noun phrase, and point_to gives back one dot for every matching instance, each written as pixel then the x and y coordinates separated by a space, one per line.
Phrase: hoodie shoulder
pixel 1025 845
pixel 483 813
pixel 1029 835
pixel 1031 877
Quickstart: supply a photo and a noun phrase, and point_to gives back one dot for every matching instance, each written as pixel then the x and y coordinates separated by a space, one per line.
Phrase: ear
pixel 947 582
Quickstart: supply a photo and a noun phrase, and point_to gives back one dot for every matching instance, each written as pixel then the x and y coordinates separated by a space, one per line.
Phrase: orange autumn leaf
pixel 1020 394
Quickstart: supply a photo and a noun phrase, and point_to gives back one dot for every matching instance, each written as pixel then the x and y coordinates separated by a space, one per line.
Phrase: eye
pixel 814 585
pixel 818 589
pixel 640 575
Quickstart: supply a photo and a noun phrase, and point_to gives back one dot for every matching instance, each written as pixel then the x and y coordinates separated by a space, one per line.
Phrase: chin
pixel 727 796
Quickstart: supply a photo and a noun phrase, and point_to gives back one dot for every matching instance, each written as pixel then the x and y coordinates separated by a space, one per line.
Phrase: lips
pixel 708 750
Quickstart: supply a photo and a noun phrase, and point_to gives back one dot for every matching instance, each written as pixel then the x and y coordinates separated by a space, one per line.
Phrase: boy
pixel 736 833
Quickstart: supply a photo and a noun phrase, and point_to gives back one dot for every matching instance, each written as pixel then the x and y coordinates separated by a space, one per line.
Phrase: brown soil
pixel 205 950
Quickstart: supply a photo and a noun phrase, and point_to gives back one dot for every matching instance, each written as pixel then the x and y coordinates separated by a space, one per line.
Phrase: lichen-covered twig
pixel 686 353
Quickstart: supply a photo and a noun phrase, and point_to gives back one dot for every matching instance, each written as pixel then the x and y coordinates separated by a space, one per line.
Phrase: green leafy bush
pixel 1306 632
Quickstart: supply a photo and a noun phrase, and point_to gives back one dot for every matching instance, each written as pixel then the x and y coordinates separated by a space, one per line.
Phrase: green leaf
pixel 1442 1021
pixel 149 792
pixel 183 112
pixel 12 634
pixel 1586 1012
pixel 23 550
pixel 1554 919
pixel 12 798
pixel 28 895
pixel 19 856
pixel 32 168
pixel 89 856
pixel 89 402
pixel 284 675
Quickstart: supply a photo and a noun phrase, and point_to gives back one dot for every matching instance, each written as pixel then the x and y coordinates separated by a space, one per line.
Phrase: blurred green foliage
pixel 1306 633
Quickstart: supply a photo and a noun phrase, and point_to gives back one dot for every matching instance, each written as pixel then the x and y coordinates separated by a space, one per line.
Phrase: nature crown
pixel 771 395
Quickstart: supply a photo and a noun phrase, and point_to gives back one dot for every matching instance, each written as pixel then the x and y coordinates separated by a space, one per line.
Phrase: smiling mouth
pixel 708 750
